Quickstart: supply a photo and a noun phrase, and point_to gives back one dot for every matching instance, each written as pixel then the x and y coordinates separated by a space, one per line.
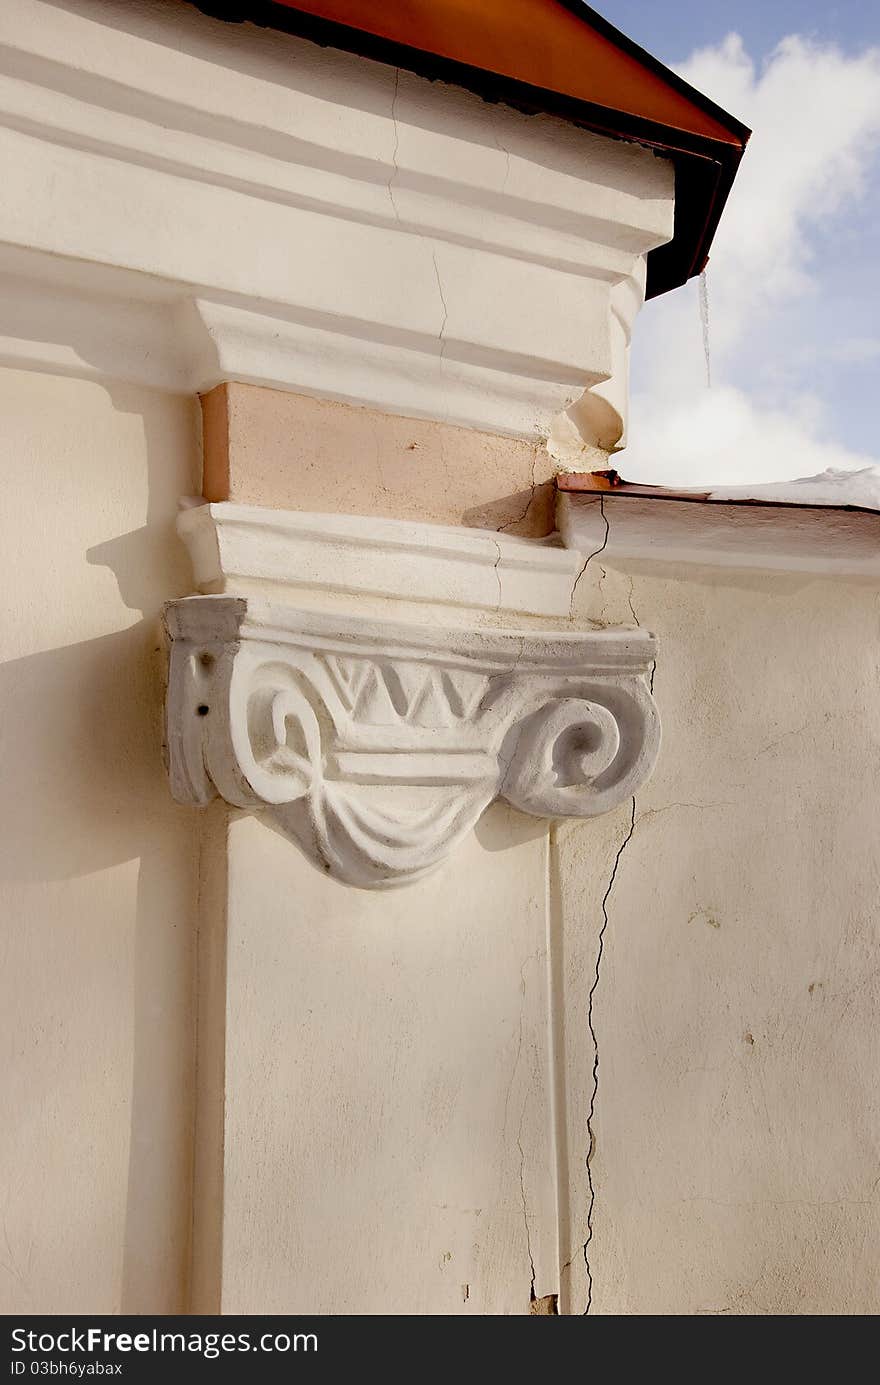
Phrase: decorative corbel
pixel 376 747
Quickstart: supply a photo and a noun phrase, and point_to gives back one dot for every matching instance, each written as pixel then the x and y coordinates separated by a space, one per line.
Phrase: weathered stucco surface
pixel 388 1137
pixel 387 1059
pixel 395 1101
pixel 290 451
pixel 98 868
pixel 737 1125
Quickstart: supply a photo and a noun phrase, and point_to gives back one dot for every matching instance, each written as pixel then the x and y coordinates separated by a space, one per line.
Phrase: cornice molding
pixel 235 547
pixel 698 531
pixel 185 205
pixel 377 746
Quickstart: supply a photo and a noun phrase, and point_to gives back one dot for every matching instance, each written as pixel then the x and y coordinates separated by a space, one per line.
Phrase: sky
pixel 793 284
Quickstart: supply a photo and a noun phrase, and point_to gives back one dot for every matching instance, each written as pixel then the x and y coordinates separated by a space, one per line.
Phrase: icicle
pixel 704 319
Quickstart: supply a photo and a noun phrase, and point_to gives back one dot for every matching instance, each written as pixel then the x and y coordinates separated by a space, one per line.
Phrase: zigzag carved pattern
pixel 380 694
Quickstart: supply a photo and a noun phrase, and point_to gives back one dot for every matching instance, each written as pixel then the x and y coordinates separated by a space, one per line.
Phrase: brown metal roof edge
pixel 608 483
pixel 623 41
pixel 704 168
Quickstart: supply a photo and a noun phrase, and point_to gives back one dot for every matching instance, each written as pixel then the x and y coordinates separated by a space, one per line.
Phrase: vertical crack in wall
pixel 525 1208
pixel 443 303
pixel 533 486
pixel 590 556
pixel 591 1139
pixel 635 617
pixel 533 957
pixel 394 167
pixel 506 152
pixel 629 601
pixel 395 173
pixel 556 1036
pixel 495 567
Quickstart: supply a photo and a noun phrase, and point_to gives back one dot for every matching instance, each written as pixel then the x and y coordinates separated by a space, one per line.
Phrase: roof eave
pixel 704 168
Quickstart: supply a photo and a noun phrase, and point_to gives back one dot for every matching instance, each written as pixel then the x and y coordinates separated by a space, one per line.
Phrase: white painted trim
pixel 323 723
pixel 231 204
pixel 233 546
pixel 772 537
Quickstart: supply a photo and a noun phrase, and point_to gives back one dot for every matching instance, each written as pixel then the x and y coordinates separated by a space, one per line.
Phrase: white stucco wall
pixel 737 1123
pixel 98 873
pixel 373 1044
pixel 393 1128
pixel 388 1136
pixel 378 1085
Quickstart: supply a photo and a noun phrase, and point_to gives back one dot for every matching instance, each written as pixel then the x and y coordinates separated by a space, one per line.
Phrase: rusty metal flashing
pixel 608 483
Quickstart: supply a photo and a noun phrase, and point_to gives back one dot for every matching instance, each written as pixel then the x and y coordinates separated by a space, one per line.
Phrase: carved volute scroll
pixel 376 747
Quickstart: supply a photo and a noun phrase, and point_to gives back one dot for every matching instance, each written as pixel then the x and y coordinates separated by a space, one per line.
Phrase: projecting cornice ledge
pixel 376 747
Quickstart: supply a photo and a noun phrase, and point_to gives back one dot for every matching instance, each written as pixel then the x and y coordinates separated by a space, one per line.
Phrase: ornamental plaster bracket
pixel 377 746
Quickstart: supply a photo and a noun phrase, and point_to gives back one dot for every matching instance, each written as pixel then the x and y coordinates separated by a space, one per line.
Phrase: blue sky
pixel 672 29
pixel 794 277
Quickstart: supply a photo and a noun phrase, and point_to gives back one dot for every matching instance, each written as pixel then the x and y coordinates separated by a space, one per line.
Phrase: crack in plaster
pixel 595 1091
pixel 653 812
pixel 533 957
pixel 786 735
pixel 634 821
pixel 739 1203
pixel 631 604
pixel 443 302
pixel 600 590
pixel 506 152
pixel 525 1208
pixel 395 170
pixel 590 556
pixel 600 948
pixel 522 991
pixel 533 486
pixel 629 597
pixel 629 601
pixel 495 567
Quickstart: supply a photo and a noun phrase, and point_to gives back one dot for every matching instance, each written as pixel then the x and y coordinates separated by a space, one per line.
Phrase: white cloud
pixel 816 116
pixel 722 436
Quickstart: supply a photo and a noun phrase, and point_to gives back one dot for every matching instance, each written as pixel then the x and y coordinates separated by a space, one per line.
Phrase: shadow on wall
pixel 82 755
